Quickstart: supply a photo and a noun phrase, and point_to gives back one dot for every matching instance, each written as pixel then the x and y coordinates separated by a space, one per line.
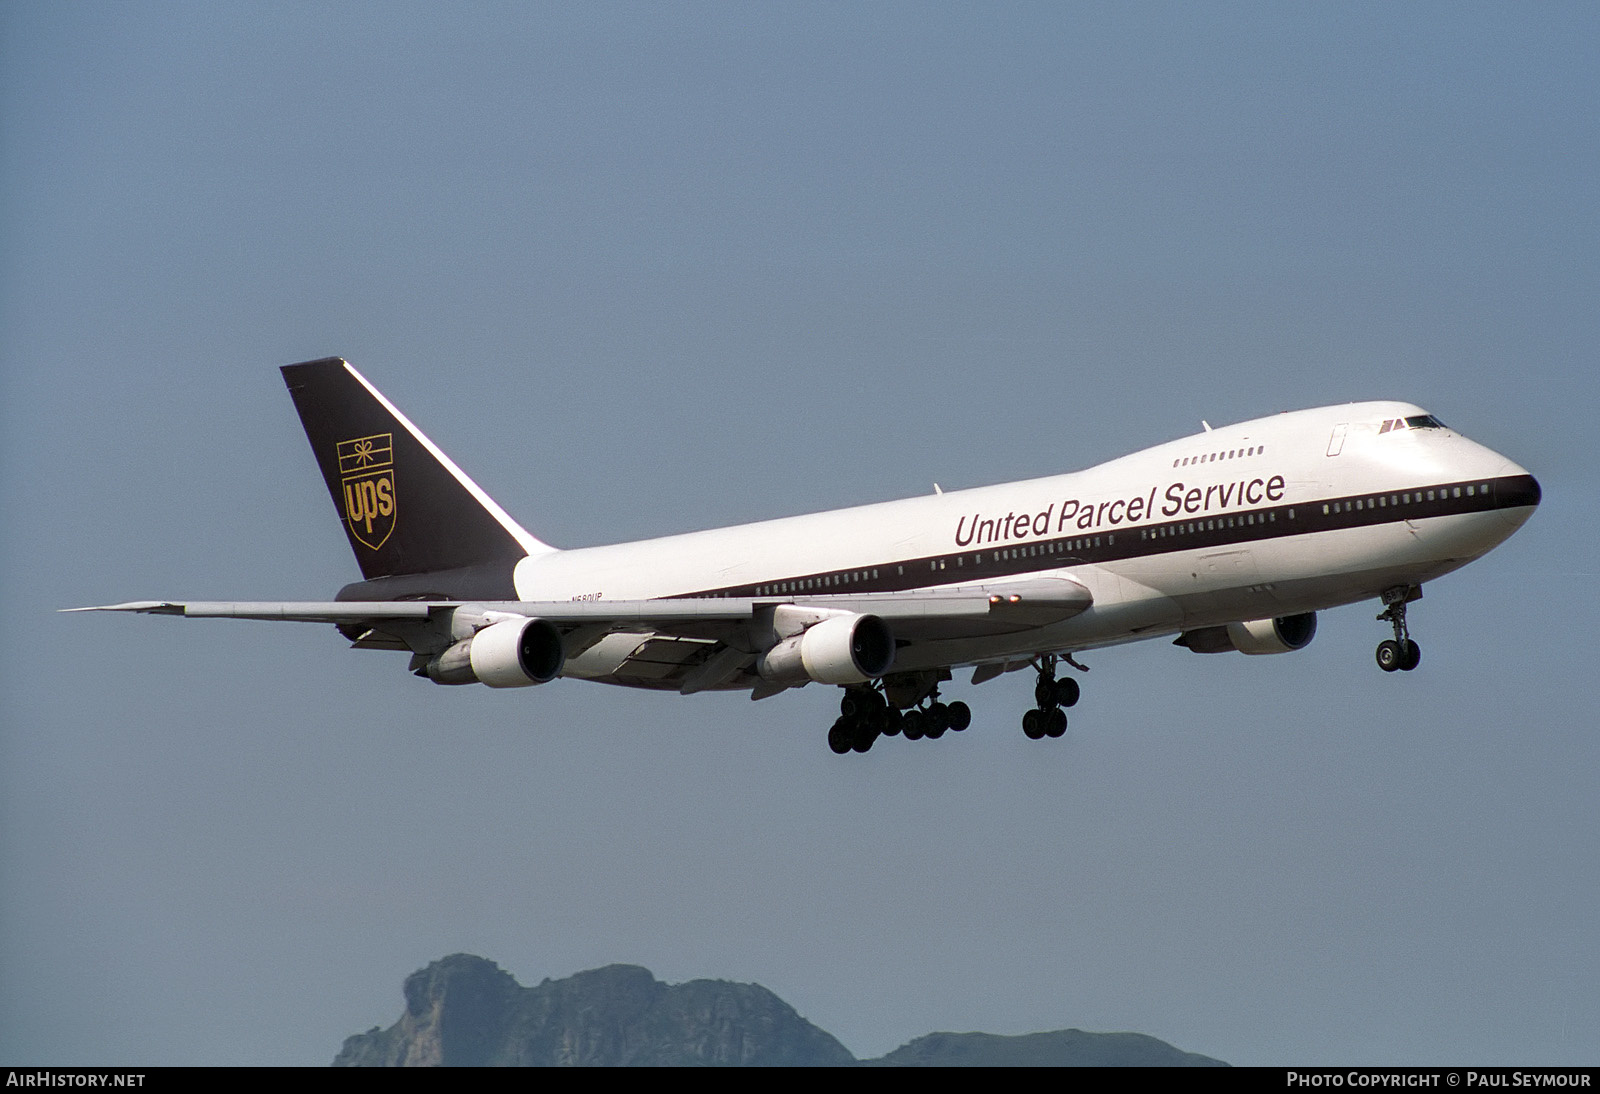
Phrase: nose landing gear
pixel 1401 653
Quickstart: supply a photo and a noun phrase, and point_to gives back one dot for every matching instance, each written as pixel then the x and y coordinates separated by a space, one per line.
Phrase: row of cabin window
pixel 1212 457
pixel 1406 498
pixel 1238 520
pixel 826 581
pixel 1032 550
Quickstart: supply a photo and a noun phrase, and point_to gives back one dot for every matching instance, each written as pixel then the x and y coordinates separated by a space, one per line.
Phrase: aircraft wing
pixel 984 609
pixel 308 611
pixel 687 643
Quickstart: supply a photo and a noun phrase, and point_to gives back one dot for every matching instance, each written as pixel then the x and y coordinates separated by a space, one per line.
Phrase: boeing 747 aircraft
pixel 1232 539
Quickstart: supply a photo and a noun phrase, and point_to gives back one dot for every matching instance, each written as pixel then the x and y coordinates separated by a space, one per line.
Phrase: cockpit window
pixel 1418 421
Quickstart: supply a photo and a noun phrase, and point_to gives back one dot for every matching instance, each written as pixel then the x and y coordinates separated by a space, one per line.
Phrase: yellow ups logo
pixel 366 471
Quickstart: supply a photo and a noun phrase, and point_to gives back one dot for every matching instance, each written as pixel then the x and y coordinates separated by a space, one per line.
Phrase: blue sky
pixel 648 268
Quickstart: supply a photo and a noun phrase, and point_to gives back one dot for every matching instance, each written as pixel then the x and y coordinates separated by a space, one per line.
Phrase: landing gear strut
pixel 1047 719
pixel 1401 653
pixel 865 715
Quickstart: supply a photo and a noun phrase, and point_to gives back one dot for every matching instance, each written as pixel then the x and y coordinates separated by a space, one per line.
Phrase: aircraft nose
pixel 1517 494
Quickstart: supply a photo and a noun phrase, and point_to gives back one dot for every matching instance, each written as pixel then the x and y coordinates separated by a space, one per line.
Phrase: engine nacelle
pixel 513 653
pixel 1282 635
pixel 843 649
pixel 1285 634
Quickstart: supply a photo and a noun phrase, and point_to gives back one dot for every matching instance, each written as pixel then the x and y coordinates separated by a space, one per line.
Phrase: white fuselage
pixel 1268 518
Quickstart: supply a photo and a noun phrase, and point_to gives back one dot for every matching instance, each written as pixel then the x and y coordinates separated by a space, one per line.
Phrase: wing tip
pixel 148 607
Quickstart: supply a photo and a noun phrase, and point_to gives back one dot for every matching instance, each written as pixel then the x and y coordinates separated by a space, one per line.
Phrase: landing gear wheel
pixel 1055 723
pixel 1067 692
pixel 839 737
pixel 960 716
pixel 863 736
pixel 1033 725
pixel 1412 656
pixel 1390 656
pixel 859 701
pixel 892 719
pixel 1044 692
pixel 913 725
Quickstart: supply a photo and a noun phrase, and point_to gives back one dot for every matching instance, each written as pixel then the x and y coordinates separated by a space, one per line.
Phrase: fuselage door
pixel 1336 442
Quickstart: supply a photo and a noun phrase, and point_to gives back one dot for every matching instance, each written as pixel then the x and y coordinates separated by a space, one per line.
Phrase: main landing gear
pixel 1047 719
pixel 865 715
pixel 907 704
pixel 1401 653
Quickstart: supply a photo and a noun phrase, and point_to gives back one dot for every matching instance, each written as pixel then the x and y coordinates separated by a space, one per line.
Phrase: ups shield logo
pixel 366 473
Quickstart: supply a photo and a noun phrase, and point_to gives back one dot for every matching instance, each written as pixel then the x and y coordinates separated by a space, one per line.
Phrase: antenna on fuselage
pixel 1206 424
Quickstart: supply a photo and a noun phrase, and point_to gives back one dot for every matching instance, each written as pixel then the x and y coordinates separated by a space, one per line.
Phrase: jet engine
pixel 513 653
pixel 1285 634
pixel 843 649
